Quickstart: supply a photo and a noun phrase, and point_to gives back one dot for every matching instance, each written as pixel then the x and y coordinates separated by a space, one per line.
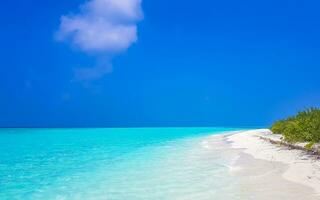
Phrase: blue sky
pixel 174 63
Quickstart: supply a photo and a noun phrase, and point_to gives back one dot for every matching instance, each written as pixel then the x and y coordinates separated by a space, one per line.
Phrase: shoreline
pixel 268 170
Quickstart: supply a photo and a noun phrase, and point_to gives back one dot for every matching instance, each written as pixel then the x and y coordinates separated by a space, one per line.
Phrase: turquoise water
pixel 111 164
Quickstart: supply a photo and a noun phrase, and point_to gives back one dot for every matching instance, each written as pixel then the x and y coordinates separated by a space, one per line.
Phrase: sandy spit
pixel 301 168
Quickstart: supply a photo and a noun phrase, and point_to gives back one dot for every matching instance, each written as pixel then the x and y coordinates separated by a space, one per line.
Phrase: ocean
pixel 111 164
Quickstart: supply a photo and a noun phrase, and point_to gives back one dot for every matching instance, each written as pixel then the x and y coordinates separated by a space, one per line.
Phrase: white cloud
pixel 102 25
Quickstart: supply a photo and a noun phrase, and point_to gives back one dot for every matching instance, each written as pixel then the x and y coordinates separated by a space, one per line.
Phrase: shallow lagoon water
pixel 112 164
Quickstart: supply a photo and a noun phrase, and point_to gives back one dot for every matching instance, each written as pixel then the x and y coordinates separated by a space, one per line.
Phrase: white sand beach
pixel 266 170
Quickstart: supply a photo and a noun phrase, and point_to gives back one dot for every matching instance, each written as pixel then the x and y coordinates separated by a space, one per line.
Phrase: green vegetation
pixel 309 145
pixel 303 127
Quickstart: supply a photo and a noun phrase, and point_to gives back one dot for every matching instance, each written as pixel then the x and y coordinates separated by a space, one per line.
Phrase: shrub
pixel 303 127
pixel 278 127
